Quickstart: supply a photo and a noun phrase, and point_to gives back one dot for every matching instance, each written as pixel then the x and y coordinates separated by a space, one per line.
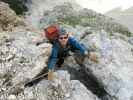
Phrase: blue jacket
pixel 56 49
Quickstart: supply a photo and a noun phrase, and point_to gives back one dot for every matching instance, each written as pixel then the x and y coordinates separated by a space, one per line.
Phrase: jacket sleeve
pixel 53 57
pixel 77 45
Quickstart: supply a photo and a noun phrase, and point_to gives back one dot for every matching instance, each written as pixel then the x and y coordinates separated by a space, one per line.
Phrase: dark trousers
pixel 60 61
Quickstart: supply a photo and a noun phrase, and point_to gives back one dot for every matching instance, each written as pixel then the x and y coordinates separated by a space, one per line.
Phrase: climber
pixel 62 45
pixel 60 50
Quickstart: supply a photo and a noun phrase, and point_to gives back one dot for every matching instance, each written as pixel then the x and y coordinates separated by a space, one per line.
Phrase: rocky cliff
pixel 109 79
pixel 120 14
pixel 8 18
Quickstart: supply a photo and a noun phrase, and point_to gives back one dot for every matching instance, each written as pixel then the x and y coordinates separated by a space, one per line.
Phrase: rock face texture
pixel 8 18
pixel 115 67
pixel 19 6
pixel 21 59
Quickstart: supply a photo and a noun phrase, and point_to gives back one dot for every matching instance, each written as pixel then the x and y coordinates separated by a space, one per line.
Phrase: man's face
pixel 63 39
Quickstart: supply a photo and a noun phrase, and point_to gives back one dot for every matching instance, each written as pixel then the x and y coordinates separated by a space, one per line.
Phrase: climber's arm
pixel 53 58
pixel 83 51
pixel 77 45
pixel 52 62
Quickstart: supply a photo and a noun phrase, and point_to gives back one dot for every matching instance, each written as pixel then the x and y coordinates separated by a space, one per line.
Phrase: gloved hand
pixel 93 57
pixel 50 75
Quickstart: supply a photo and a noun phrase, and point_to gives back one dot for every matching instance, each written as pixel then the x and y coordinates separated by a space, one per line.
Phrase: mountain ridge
pixel 123 17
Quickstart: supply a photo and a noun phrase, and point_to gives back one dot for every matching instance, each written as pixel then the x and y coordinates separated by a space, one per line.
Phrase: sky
pixel 103 6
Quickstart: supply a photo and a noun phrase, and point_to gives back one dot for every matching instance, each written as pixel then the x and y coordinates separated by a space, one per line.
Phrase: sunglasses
pixel 65 37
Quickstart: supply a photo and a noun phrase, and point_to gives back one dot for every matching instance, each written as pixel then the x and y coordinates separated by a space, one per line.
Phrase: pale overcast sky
pixel 105 5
